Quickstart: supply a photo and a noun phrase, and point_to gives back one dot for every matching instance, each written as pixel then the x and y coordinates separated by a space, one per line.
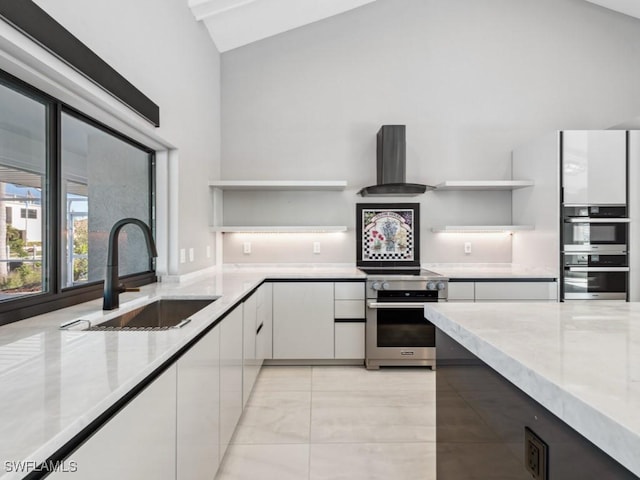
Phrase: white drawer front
pixel 461 291
pixel 349 291
pixel 349 309
pixel 516 291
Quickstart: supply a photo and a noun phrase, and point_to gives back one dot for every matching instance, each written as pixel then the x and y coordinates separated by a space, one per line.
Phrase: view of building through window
pixel 21 228
pixel 101 178
pixel 23 164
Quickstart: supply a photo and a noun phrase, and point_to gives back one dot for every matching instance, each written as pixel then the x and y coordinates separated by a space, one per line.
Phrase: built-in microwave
pixel 595 229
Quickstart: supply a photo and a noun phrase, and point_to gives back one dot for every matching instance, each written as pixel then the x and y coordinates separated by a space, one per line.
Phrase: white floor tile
pixel 275 417
pixel 405 461
pixel 284 379
pixel 332 379
pixel 330 422
pixel 265 462
pixel 372 417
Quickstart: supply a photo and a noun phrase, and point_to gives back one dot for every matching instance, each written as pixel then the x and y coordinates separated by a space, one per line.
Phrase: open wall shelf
pixel 280 229
pixel 218 187
pixel 483 185
pixel 303 185
pixel 480 228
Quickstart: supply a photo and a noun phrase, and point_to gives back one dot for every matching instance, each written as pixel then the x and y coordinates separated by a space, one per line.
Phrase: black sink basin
pixel 159 315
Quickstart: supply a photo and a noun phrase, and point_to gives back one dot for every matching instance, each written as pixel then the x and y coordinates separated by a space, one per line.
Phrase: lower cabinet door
pixel 138 442
pixel 349 340
pixel 303 320
pixel 198 423
pixel 249 360
pixel 230 375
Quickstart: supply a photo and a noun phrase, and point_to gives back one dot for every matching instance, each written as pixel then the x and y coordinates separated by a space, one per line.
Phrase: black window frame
pixel 56 296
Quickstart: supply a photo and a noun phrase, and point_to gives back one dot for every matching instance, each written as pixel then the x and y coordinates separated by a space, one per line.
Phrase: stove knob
pixel 376 286
pixel 441 286
pixel 385 286
pixel 431 285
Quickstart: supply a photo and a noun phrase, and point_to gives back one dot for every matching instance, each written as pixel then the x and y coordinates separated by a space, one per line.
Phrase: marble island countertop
pixel 580 360
pixel 490 271
pixel 56 382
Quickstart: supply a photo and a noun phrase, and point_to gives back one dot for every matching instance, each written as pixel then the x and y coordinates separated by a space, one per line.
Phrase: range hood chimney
pixel 391 166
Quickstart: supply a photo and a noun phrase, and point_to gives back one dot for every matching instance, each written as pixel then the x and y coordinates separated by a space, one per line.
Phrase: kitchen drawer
pixel 461 291
pixel 349 291
pixel 349 309
pixel 514 291
pixel 349 340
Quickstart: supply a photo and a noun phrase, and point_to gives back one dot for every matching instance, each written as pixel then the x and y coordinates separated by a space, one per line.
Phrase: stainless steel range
pixel 397 334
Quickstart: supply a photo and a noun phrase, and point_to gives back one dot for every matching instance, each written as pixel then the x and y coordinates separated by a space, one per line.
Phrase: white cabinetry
pixel 516 291
pixel 138 442
pixel 198 410
pixel 461 292
pixel 505 291
pixel 303 320
pixel 349 314
pixel 264 339
pixel 249 360
pixel 230 375
pixel 594 167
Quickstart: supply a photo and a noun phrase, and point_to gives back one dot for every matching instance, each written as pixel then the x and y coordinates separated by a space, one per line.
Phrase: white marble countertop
pixel 489 271
pixel 580 360
pixel 56 382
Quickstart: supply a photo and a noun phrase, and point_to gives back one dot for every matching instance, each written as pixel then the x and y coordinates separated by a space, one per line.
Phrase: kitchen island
pixel 568 371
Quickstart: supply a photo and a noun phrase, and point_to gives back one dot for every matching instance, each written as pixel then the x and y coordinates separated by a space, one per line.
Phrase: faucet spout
pixel 112 288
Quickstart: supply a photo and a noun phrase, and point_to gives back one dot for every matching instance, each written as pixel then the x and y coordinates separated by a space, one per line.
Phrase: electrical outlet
pixel 467 248
pixel 316 247
pixel 192 254
pixel 246 248
pixel 183 255
pixel 536 455
pixel 208 251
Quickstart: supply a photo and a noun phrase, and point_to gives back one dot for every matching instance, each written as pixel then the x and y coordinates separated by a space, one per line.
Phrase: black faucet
pixel 112 287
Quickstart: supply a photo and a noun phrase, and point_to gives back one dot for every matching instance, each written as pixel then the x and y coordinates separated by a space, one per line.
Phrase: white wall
pixel 471 79
pixel 159 47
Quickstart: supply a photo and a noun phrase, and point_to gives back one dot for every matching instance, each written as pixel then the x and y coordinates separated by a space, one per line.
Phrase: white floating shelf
pixel 279 184
pixel 280 229
pixel 480 228
pixel 483 184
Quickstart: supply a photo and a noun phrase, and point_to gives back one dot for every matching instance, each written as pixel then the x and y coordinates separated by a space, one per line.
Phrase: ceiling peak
pixel 234 23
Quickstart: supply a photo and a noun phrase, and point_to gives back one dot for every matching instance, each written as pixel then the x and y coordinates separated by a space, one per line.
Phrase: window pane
pixel 23 155
pixel 104 179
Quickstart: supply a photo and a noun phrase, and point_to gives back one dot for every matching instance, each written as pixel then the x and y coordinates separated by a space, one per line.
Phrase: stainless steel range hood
pixel 391 166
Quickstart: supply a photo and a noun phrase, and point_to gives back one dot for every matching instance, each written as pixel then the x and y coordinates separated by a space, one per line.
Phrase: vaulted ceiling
pixel 628 7
pixel 234 23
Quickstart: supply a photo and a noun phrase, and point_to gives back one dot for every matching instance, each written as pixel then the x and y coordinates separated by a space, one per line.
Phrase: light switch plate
pixel 316 247
pixel 467 248
pixel 183 255
pixel 246 248
pixel 192 255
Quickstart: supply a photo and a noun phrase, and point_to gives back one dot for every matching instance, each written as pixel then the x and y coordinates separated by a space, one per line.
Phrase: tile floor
pixel 329 422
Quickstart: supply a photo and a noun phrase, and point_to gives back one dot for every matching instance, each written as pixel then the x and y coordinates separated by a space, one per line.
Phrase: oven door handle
pixel 595 220
pixel 383 305
pixel 597 269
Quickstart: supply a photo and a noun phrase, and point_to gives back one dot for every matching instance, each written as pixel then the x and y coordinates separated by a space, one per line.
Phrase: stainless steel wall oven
pixel 595 256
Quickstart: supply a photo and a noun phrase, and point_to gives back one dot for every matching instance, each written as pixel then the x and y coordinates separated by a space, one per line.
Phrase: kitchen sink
pixel 158 315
